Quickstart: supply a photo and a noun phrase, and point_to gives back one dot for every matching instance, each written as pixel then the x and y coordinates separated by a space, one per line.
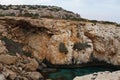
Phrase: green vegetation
pixel 2 15
pixel 118 25
pixel 34 16
pixel 25 11
pixel 76 19
pixel 32 7
pixel 1 6
pixel 63 48
pixel 27 14
pixel 93 21
pixel 80 46
pixel 10 14
pixel 47 17
pixel 104 22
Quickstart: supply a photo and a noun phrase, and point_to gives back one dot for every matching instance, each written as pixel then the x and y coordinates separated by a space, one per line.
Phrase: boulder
pixel 32 65
pixel 9 74
pixel 35 75
pixel 2 77
pixel 8 59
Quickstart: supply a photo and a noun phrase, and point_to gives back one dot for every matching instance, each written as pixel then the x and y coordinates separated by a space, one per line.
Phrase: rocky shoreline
pixel 26 42
pixel 101 76
pixel 17 67
pixel 21 67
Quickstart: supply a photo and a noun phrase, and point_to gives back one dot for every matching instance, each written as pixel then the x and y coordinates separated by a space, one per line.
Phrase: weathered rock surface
pixel 18 67
pixel 37 11
pixel 2 47
pixel 32 66
pixel 2 77
pixel 25 41
pixel 65 41
pixel 101 76
pixel 35 75
pixel 7 59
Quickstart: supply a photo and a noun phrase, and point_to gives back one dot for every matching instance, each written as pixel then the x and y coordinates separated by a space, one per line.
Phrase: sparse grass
pixel 107 22
pixel 104 22
pixel 47 17
pixel 118 25
pixel 93 21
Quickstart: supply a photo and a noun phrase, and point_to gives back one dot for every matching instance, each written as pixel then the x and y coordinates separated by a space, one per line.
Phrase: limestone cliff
pixel 62 41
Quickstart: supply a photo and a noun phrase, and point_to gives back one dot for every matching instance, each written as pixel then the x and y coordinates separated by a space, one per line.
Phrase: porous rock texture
pixel 101 76
pixel 83 41
pixel 17 67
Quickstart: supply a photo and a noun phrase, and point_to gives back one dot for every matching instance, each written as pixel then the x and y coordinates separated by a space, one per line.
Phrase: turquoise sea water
pixel 69 74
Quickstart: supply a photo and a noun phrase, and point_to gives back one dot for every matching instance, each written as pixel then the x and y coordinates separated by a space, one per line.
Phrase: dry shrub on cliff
pixel 63 48
pixel 80 46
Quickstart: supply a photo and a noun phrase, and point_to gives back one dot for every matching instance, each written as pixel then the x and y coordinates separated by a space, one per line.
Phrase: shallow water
pixel 69 74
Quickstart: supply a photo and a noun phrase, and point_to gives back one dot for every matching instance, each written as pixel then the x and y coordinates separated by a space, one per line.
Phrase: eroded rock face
pixel 101 76
pixel 106 41
pixel 81 41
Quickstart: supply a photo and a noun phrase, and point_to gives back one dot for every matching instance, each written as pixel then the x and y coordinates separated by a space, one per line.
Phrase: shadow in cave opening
pixel 68 72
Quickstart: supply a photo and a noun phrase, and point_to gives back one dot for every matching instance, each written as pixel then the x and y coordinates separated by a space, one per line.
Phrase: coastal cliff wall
pixel 62 41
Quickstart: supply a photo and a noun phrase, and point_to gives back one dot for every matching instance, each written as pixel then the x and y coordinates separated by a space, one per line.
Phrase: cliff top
pixel 37 11
pixel 41 11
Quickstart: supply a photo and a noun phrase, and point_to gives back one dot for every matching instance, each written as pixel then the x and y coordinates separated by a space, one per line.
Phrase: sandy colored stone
pixel 7 59
pixel 2 77
pixel 35 75
pixel 32 66
pixel 2 47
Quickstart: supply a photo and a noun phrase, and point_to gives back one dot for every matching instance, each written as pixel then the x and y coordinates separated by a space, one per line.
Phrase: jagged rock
pixel 32 66
pixel 35 75
pixel 12 76
pixel 2 47
pixel 101 76
pixel 2 77
pixel 9 74
pixel 7 59
pixel 2 29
